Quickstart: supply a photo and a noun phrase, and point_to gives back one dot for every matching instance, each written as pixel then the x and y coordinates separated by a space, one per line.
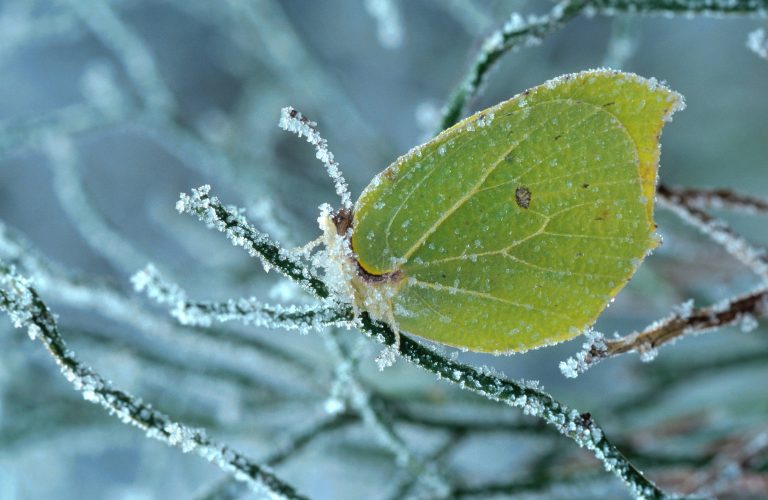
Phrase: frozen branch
pixel 248 311
pixel 719 199
pixel 231 222
pixel 130 50
pixel 717 230
pixel 27 310
pixel 90 223
pixel 515 33
pixel 102 297
pixel 569 422
pixel 293 121
pixel 757 42
pixel 389 26
pixel 518 32
pixel 687 321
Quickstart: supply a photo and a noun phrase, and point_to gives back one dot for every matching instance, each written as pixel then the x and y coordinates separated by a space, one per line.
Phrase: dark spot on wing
pixel 522 197
pixel 558 136
pixel 609 104
pixel 585 185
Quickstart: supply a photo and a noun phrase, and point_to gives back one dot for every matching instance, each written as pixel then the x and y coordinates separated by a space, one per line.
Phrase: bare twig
pixel 688 321
pixel 27 309
pixel 719 199
pixel 754 258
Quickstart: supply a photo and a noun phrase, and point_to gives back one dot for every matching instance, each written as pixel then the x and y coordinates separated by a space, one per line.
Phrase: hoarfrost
pixel 387 357
pixel 592 349
pixel 757 42
pixel 388 23
pixel 293 121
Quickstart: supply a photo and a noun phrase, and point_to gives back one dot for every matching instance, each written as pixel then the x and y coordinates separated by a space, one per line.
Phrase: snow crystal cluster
pixel 389 27
pixel 757 42
pixel 249 311
pixel 592 348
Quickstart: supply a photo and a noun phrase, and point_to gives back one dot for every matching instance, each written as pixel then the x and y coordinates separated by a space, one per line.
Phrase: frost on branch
pixel 757 42
pixel 389 26
pixel 593 349
pixel 684 320
pixel 248 311
pixel 26 309
pixel 293 121
pixel 231 221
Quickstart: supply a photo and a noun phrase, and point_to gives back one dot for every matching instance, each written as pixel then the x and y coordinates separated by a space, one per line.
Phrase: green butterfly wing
pixel 516 227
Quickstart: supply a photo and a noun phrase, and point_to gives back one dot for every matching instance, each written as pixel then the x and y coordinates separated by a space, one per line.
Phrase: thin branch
pixel 95 230
pixel 687 321
pixel 228 489
pixel 518 32
pixel 248 311
pixel 130 50
pixel 717 230
pixel 569 422
pixel 27 309
pixel 293 121
pixel 515 33
pixel 719 199
pixel 231 222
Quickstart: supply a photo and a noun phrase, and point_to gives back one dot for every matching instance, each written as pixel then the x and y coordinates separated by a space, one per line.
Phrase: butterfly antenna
pixel 293 121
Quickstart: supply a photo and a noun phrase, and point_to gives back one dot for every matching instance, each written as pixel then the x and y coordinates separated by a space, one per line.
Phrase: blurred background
pixel 110 109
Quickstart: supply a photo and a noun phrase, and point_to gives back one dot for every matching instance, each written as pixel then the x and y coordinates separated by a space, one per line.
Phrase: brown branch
pixel 719 199
pixel 718 230
pixel 743 309
pixel 699 320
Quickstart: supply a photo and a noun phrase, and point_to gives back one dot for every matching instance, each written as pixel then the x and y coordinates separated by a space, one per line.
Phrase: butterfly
pixel 515 228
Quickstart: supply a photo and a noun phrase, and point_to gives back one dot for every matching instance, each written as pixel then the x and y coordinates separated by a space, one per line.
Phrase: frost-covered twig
pixel 623 42
pixel 569 422
pixel 686 321
pixel 94 229
pixel 516 32
pixel 293 121
pixel 757 42
pixel 519 31
pixel 109 301
pixel 130 49
pixel 720 199
pixel 248 311
pixel 27 310
pixel 753 257
pixel 389 26
pixel 687 7
pixel 228 489
pixel 231 222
